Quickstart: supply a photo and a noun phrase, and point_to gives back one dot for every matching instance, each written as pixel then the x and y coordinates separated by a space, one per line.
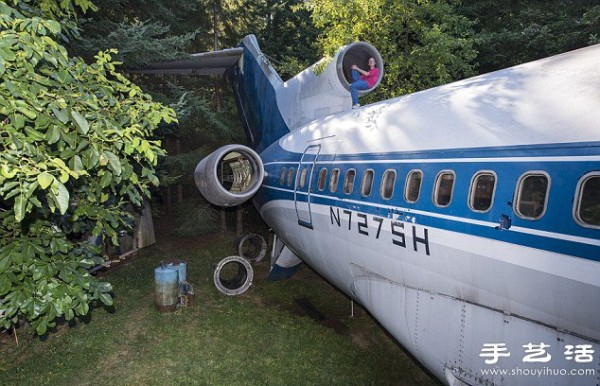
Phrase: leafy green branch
pixel 76 151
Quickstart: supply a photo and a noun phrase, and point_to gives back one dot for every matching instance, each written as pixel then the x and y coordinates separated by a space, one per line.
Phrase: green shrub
pixel 75 149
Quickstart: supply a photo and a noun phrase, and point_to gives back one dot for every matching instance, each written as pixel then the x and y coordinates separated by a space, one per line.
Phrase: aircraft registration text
pixel 371 226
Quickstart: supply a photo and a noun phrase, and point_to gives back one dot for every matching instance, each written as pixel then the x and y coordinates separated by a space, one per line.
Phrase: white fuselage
pixel 449 282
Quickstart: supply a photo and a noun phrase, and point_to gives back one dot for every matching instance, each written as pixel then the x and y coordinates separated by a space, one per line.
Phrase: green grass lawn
pixel 258 338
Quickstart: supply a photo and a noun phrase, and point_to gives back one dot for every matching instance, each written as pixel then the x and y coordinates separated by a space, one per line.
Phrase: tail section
pixel 271 108
pixel 256 84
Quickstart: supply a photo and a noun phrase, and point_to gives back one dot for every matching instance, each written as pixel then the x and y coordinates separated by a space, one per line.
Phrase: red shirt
pixel 371 79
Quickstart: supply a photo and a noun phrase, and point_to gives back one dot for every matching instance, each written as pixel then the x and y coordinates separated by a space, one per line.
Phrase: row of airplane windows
pixel 531 194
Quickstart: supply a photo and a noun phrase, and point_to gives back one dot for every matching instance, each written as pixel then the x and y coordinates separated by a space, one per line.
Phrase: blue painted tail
pixel 255 85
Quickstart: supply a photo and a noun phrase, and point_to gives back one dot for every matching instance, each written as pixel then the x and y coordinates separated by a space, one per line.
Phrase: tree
pixel 514 32
pixel 172 28
pixel 423 44
pixel 178 25
pixel 282 27
pixel 77 151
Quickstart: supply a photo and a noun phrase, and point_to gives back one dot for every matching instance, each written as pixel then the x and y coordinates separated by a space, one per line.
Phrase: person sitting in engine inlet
pixel 363 80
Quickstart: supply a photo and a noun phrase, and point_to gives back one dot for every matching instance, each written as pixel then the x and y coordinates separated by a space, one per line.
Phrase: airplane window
pixel 290 176
pixel 349 181
pixel 413 186
pixel 303 178
pixel 482 191
pixel 587 211
pixel 444 185
pixel 282 176
pixel 322 179
pixel 334 180
pixel 387 184
pixel 532 193
pixel 367 183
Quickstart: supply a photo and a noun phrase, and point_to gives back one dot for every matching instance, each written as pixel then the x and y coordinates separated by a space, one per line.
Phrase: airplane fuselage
pixel 434 274
pixel 454 236
pixel 465 218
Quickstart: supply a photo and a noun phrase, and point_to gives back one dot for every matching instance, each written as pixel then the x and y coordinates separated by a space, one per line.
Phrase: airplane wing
pixel 205 63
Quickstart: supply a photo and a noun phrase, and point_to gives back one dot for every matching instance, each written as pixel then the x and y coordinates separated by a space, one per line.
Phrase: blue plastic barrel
pixel 182 272
pixel 166 288
pixel 181 268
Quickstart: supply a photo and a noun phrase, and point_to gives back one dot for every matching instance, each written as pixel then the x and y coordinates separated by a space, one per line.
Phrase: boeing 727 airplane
pixel 464 218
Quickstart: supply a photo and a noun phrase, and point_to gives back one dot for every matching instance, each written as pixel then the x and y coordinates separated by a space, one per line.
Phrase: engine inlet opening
pixel 252 247
pixel 233 275
pixel 235 172
pixel 358 53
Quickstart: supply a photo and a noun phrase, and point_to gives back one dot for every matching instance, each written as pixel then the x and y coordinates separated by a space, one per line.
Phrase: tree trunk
pixel 168 200
pixel 179 184
pixel 223 214
pixel 239 215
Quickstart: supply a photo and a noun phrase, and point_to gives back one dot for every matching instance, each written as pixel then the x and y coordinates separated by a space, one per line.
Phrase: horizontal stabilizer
pixel 205 63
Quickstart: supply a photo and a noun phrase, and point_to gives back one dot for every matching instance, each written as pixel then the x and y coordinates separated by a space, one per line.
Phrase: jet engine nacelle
pixel 315 92
pixel 230 175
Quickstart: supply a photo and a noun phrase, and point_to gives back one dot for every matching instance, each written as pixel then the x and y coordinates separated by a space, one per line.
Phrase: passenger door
pixel 303 185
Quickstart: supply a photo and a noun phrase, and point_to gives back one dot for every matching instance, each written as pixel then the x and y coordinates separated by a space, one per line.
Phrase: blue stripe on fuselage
pixel 580 149
pixel 556 231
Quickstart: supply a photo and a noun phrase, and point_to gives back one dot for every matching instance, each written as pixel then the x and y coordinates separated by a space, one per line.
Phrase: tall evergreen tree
pixel 283 28
pixel 141 37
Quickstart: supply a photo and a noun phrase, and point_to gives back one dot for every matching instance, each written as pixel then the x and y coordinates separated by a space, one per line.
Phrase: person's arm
pixel 363 72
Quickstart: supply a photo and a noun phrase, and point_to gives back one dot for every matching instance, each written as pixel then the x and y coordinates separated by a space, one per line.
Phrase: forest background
pixel 423 43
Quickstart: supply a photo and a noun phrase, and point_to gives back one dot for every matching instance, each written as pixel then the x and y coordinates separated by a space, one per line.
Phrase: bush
pixel 76 149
